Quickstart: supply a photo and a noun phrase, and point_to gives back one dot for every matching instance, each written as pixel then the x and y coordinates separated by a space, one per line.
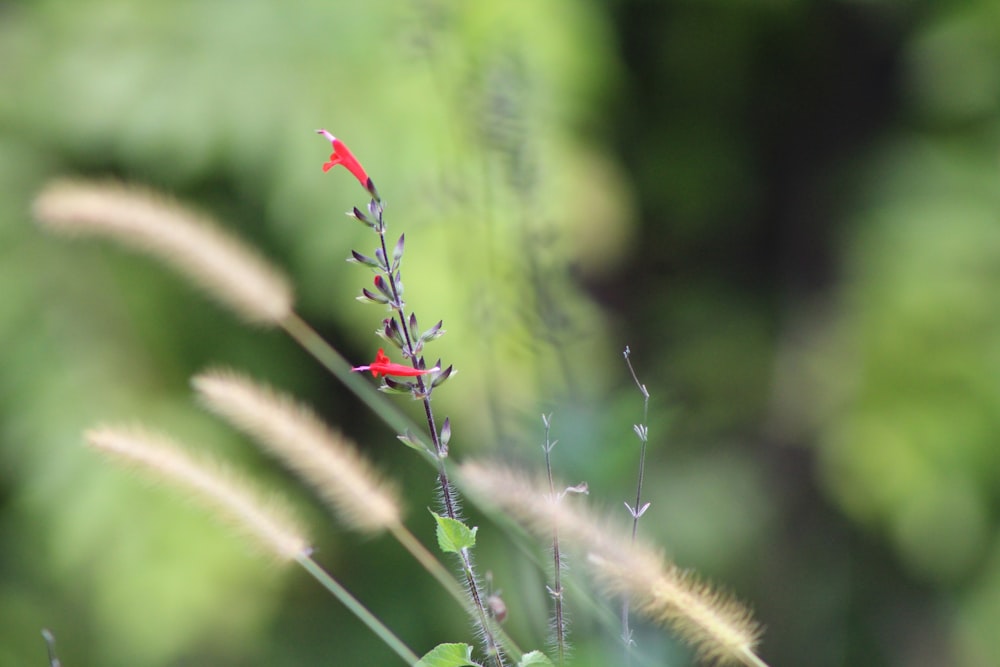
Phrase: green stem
pixel 333 361
pixel 429 563
pixel 643 432
pixel 359 610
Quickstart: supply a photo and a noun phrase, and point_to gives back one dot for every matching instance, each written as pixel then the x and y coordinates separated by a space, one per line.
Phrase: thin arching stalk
pixel 557 588
pixel 359 610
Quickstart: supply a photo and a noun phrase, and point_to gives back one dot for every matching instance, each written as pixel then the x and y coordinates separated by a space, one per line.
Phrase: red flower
pixel 342 155
pixel 382 366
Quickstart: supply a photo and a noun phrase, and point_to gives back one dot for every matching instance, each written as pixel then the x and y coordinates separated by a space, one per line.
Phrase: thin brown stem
pixel 637 510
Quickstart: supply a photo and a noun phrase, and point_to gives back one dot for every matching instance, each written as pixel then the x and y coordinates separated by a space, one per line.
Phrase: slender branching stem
pixel 557 588
pixel 642 430
pixel 358 609
pixel 637 510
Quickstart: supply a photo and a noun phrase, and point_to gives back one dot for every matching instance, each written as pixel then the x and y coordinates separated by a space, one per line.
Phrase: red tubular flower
pixel 382 366
pixel 342 155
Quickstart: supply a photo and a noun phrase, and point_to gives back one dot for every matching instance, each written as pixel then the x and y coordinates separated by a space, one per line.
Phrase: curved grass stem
pixel 359 610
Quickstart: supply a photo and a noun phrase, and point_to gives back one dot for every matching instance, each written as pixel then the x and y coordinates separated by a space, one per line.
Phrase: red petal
pixel 346 158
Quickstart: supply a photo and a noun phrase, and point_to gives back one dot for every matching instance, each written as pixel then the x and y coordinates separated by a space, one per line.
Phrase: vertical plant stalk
pixel 637 510
pixel 556 591
pixel 448 498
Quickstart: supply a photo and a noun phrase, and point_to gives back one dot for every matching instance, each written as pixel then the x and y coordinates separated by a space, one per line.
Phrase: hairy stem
pixel 447 492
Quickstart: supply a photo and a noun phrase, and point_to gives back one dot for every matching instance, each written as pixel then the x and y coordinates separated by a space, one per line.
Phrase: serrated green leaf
pixel 453 535
pixel 448 655
pixel 534 658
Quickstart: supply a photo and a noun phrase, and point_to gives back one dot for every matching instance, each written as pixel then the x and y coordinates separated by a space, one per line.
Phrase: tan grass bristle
pixel 268 523
pixel 221 264
pixel 292 432
pixel 721 630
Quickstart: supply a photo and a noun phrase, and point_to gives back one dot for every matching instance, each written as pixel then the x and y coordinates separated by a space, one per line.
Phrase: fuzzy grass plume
pixel 720 630
pixel 268 524
pixel 222 265
pixel 294 434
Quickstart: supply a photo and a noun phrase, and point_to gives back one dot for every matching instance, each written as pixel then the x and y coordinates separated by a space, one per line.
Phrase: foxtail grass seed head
pixel 222 265
pixel 268 524
pixel 720 629
pixel 294 434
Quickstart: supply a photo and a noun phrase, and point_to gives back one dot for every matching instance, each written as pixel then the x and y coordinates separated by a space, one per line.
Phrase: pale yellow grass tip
pixel 268 523
pixel 292 432
pixel 721 630
pixel 221 264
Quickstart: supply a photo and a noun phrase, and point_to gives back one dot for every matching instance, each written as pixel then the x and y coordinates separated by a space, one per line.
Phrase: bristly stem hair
pixel 637 510
pixel 556 591
pixel 402 332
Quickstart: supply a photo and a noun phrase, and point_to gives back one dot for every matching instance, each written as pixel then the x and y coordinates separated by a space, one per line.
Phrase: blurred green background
pixel 789 210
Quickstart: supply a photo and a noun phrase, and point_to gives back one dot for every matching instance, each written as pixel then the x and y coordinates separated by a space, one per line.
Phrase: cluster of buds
pixel 397 329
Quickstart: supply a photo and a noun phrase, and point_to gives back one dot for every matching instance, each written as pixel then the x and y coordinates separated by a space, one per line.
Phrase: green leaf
pixel 453 535
pixel 448 655
pixel 534 658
